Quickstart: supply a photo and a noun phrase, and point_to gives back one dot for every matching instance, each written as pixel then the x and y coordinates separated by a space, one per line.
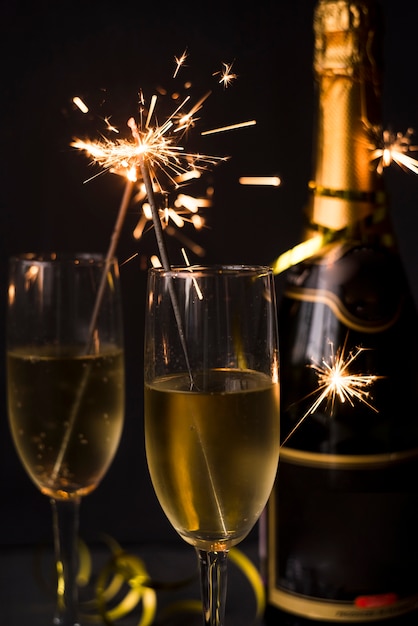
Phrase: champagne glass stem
pixel 65 524
pixel 213 580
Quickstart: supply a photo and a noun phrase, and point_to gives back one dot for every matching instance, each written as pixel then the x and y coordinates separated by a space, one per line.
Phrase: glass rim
pixel 76 258
pixel 187 271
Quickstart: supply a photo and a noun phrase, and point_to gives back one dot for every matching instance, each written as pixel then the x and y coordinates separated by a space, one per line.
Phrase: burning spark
pixel 185 209
pixel 109 126
pixel 149 116
pixel 157 145
pixel 168 162
pixel 191 203
pixel 395 148
pixel 196 286
pixel 80 104
pixel 337 383
pixel 226 75
pixel 188 176
pixel 129 259
pixel 179 62
pixel 187 121
pixel 231 127
pixel 272 181
pixel 155 261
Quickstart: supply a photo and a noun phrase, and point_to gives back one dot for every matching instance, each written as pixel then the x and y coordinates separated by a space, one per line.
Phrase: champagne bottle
pixel 342 521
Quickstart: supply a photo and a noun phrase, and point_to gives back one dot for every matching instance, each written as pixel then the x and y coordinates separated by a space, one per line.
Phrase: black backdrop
pixel 105 53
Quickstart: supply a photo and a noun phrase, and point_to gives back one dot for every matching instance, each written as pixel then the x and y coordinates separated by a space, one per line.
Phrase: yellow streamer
pixel 183 606
pixel 123 585
pixel 253 576
pixel 130 570
pixel 85 564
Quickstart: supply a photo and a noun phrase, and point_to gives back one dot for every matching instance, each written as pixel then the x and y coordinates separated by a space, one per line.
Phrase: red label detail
pixel 383 599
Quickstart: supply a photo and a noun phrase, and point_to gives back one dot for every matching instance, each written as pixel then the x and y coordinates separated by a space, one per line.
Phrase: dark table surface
pixel 27 584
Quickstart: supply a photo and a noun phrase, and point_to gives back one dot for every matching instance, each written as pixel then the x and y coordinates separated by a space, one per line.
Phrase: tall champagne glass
pixel 65 385
pixel 212 408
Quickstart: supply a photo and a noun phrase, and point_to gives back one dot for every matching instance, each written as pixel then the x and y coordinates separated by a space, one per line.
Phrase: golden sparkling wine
pixel 342 540
pixel 66 414
pixel 213 454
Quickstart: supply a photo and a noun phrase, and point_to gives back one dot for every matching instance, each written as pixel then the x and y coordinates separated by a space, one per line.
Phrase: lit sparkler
pixel 169 165
pixel 393 147
pixel 158 145
pixel 337 383
pixel 226 74
pixel 153 152
pixel 179 62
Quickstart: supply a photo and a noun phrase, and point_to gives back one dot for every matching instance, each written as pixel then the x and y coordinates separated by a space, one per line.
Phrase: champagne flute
pixel 65 388
pixel 212 408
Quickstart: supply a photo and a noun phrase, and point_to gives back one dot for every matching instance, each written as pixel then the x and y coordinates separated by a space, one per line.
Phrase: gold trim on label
pixel 373 196
pixel 341 313
pixel 342 461
pixel 346 612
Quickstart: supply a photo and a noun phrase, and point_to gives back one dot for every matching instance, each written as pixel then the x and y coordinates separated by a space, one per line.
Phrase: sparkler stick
pixel 154 212
pixel 90 338
pixel 160 242
pixel 110 254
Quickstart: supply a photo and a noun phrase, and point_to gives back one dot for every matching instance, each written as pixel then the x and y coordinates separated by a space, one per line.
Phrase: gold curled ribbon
pixel 85 564
pixel 253 576
pixel 123 585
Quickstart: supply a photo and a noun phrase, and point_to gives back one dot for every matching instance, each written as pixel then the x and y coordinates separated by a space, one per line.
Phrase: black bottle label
pixel 339 535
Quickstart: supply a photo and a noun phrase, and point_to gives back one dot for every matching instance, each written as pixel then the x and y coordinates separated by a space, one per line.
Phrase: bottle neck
pixel 347 192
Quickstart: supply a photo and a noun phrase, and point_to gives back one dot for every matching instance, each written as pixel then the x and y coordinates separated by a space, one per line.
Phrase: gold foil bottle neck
pixel 342 35
pixel 348 83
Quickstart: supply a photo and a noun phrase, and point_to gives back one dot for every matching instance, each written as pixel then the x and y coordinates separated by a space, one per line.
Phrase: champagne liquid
pixel 213 454
pixel 66 416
